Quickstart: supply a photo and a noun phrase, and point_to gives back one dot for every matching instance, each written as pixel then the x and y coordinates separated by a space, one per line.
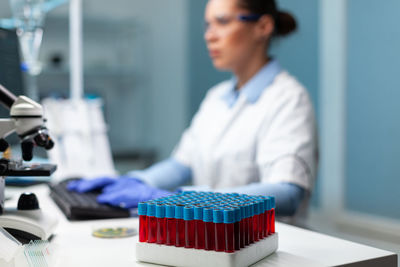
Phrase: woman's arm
pixel 288 196
pixel 167 174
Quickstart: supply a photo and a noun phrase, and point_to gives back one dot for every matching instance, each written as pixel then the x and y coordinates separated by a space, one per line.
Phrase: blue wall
pixel 202 74
pixel 373 108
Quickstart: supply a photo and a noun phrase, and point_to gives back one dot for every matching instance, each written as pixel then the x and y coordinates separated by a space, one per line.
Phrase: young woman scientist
pixel 253 134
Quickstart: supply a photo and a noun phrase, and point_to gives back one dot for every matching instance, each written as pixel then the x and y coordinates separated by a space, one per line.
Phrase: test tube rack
pixel 206 229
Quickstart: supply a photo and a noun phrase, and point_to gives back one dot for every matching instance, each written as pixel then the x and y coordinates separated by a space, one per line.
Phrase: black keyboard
pixel 77 206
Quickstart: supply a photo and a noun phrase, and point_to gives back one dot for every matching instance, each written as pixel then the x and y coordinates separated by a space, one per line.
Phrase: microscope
pixel 27 221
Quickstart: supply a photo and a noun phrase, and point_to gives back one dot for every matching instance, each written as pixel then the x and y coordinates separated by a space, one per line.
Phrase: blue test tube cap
pixel 208 214
pixel 229 215
pixel 238 214
pixel 261 204
pixel 151 209
pixel 179 211
pixel 198 213
pixel 188 213
pixel 142 208
pixel 170 211
pixel 265 199
pixel 242 211
pixel 188 192
pixel 218 216
pixel 253 208
pixel 249 210
pixel 160 211
pixel 272 202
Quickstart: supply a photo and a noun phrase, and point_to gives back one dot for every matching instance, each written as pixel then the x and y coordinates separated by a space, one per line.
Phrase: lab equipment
pixel 28 221
pixel 28 18
pixel 80 133
pixel 215 242
pixel 114 232
pixel 79 206
pixel 9 246
pixel 40 253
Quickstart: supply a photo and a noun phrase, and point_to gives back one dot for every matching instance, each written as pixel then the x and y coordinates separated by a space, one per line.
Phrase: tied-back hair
pixel 285 23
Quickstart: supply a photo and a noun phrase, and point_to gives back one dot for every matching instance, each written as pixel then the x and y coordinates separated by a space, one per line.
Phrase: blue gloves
pixel 124 192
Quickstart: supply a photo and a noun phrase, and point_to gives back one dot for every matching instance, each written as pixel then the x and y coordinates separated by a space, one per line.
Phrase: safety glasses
pixel 220 22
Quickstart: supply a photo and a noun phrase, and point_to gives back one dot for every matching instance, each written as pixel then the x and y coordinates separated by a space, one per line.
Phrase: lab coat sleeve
pixel 287 141
pixel 168 174
pixel 287 196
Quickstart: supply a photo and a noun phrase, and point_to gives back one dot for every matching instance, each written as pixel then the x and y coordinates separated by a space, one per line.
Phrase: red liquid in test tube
pixel 171 225
pixel 272 216
pixel 152 223
pixel 161 224
pixel 242 226
pixel 142 228
pixel 199 231
pixel 266 220
pixel 142 211
pixel 229 225
pixel 180 226
pixel 261 222
pixel 218 218
pixel 209 229
pixel 236 228
pixel 272 221
pixel 251 224
pixel 255 222
pixel 246 225
pixel 188 217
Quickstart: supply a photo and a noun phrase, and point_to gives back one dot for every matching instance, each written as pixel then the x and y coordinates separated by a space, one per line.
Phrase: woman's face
pixel 231 42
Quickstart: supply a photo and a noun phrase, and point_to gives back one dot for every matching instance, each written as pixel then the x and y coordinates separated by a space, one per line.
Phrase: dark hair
pixel 285 23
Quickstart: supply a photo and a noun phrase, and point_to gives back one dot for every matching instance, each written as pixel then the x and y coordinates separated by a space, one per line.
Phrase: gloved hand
pixel 125 192
pixel 86 185
pixel 128 192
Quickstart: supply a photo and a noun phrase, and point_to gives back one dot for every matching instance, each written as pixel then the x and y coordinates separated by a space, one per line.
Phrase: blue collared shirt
pixel 255 86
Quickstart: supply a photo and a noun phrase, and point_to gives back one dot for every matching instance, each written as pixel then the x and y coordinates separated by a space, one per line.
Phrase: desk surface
pixel 75 246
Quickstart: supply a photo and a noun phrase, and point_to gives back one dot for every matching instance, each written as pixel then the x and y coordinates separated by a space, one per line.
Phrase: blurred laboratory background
pixel 147 62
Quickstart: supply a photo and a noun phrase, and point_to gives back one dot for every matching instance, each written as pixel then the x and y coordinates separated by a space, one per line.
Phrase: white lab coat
pixel 272 140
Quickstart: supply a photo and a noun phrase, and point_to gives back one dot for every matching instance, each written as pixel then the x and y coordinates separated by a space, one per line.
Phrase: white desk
pixel 75 245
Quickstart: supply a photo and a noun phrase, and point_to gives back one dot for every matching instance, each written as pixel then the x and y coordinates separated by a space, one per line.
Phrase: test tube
pixel 247 225
pixel 236 228
pixel 180 226
pixel 272 216
pixel 251 224
pixel 242 225
pixel 171 225
pixel 218 219
pixel 229 221
pixel 209 231
pixel 161 224
pixel 261 223
pixel 142 211
pixel 152 223
pixel 266 220
pixel 188 217
pixel 199 228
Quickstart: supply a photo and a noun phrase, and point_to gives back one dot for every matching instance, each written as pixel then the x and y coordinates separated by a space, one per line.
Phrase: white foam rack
pixel 177 256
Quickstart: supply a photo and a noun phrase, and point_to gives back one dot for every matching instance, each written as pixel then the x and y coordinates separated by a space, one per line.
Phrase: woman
pixel 253 134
